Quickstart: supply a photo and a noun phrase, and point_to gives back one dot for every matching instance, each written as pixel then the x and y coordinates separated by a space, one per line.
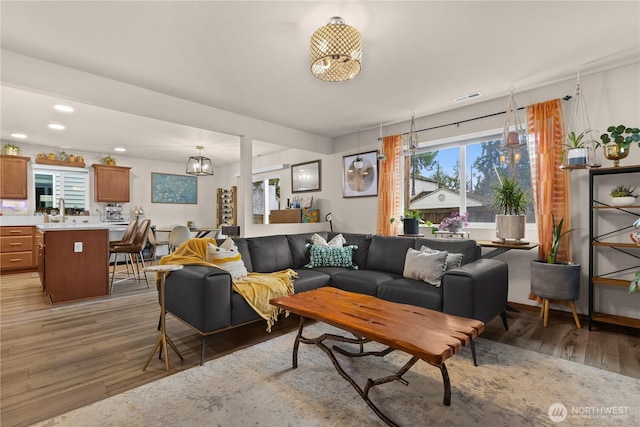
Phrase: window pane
pixel 486 162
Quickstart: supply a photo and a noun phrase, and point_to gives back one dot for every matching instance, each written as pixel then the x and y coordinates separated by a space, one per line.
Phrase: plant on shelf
pixel 576 148
pixel 618 141
pixel 454 222
pixel 511 199
pixel 411 221
pixel 109 161
pixel 622 195
pixel 10 149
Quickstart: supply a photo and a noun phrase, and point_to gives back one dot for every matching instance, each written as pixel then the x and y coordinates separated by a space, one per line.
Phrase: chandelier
pixel 199 165
pixel 336 51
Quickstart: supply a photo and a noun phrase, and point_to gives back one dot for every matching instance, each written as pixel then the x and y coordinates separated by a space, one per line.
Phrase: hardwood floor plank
pixel 54 358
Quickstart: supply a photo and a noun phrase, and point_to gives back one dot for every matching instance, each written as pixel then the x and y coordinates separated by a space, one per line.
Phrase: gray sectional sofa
pixel 203 296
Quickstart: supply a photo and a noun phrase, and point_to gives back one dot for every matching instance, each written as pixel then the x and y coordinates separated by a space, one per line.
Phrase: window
pixel 52 183
pixel 458 175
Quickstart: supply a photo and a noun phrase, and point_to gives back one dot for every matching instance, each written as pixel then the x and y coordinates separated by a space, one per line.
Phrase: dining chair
pixel 178 235
pixel 155 243
pixel 133 251
pixel 127 237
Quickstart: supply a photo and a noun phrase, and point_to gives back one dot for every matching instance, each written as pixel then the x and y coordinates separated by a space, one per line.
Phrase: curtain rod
pixel 566 98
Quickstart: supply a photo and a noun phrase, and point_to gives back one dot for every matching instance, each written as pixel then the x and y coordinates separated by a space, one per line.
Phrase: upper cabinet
pixel 111 183
pixel 13 177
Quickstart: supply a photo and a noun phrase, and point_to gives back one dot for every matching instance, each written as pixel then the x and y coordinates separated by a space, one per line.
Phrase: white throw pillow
pixel 453 260
pixel 337 242
pixel 227 259
pixel 428 267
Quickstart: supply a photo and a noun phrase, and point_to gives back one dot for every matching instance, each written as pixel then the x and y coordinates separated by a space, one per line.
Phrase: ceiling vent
pixel 468 96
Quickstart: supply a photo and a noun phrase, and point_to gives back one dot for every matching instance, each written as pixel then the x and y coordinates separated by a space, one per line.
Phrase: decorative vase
pixel 510 227
pixel 454 228
pixel 623 201
pixel 558 281
pixel 577 156
pixel 615 152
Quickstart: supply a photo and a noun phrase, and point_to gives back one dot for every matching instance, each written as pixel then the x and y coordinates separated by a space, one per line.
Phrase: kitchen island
pixel 73 260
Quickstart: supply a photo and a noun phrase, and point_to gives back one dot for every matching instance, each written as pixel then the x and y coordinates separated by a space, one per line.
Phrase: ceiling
pixel 252 59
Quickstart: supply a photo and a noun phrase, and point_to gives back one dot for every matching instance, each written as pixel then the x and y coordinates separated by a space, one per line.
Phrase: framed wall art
pixel 360 182
pixel 168 188
pixel 305 177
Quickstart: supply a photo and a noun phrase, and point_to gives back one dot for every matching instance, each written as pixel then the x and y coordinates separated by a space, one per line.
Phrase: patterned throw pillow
pixel 337 242
pixel 227 257
pixel 425 266
pixel 326 256
pixel 453 260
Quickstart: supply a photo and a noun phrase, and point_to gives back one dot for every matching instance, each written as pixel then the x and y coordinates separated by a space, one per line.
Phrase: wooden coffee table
pixel 424 334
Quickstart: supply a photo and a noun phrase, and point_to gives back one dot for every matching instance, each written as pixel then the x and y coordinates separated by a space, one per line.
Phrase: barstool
pixel 133 250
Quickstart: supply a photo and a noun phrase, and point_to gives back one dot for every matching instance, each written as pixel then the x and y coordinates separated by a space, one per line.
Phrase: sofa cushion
pixel 453 260
pixel 227 257
pixel 426 266
pixel 336 242
pixel 270 253
pixel 310 279
pixel 362 281
pixel 243 249
pixel 410 291
pixel 326 256
pixel 388 253
pixel 298 246
pixel 468 248
pixel 362 241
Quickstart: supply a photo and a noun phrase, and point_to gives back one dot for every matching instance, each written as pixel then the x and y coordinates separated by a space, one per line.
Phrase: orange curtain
pixel 550 184
pixel 389 188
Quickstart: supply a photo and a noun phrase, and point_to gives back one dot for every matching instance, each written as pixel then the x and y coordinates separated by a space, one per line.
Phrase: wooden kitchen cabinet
pixel 17 248
pixel 13 177
pixel 111 183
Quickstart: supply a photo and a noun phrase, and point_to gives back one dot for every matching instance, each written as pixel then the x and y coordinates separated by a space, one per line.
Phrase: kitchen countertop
pixel 66 226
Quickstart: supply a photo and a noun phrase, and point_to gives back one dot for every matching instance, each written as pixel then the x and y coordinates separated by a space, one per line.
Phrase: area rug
pixel 258 387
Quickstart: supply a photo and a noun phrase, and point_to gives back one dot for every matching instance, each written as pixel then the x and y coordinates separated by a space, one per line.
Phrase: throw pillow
pixel 337 242
pixel 424 266
pixel 453 260
pixel 326 256
pixel 228 259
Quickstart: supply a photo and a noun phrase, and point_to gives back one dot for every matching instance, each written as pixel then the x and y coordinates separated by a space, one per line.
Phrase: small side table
pixel 163 338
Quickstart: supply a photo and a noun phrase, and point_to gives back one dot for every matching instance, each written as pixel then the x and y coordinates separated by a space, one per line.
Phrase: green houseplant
pixel 577 148
pixel 555 281
pixel 411 221
pixel 617 141
pixel 108 160
pixel 511 199
pixel 622 195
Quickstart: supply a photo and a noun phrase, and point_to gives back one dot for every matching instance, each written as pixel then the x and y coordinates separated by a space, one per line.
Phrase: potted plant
pixel 11 150
pixel 555 281
pixel 411 221
pixel 109 161
pixel 454 222
pixel 511 200
pixel 622 195
pixel 577 148
pixel 617 142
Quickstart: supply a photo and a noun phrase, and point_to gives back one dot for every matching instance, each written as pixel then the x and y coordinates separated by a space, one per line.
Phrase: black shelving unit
pixel 600 242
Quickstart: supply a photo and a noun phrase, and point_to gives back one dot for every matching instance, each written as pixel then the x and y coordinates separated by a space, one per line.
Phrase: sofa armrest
pixel 477 290
pixel 200 296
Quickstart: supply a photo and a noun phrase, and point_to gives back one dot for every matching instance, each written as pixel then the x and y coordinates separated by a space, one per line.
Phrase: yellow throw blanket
pixel 257 288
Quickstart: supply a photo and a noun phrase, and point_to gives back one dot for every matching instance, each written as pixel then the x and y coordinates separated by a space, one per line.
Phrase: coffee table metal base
pixel 364 392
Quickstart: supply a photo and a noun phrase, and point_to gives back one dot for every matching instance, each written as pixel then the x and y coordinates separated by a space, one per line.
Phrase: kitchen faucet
pixel 61 208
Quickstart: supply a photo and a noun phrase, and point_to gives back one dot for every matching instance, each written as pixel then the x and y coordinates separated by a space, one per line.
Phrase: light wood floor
pixel 55 358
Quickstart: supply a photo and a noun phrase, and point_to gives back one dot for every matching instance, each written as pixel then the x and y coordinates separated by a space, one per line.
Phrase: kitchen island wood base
pixel 73 264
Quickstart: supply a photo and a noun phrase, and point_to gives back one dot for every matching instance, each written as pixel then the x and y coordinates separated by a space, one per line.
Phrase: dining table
pixel 201 231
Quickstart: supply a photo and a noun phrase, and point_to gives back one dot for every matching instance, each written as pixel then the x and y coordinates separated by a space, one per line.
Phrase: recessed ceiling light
pixel 63 108
pixel 19 135
pixel 56 126
pixel 119 149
